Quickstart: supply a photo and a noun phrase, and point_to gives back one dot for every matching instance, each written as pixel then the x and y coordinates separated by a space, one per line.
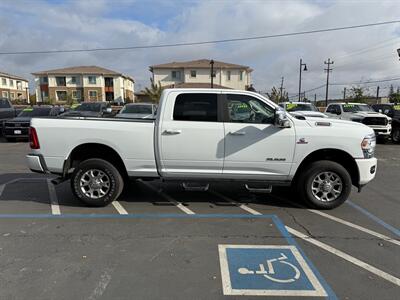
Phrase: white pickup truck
pixel 203 136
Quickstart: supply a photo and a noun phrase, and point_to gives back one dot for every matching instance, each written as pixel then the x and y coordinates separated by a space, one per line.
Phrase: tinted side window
pixel 334 109
pixel 247 109
pixel 196 107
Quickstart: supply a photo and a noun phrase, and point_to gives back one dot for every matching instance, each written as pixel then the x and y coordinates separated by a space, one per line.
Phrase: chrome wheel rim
pixel 327 186
pixel 95 184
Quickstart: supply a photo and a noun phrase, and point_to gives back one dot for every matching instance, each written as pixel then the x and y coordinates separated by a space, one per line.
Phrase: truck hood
pixel 20 120
pixel 306 113
pixel 363 114
pixel 336 123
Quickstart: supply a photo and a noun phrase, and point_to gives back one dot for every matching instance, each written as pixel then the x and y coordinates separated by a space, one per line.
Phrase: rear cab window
pixel 196 107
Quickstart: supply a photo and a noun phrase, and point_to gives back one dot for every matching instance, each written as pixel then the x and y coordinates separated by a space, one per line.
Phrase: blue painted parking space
pixel 269 270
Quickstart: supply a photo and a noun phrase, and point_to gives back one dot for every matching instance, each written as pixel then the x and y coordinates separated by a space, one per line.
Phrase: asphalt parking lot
pixel 161 242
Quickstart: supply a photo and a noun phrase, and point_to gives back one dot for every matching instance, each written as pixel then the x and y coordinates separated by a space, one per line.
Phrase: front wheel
pixel 96 182
pixel 396 135
pixel 324 185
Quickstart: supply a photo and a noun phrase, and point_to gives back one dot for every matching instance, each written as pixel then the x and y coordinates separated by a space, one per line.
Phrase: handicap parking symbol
pixel 268 270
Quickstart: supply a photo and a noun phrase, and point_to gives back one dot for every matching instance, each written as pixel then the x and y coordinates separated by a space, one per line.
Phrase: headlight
pixel 368 146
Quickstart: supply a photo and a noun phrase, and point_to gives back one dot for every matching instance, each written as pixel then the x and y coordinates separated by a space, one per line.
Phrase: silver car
pixel 138 111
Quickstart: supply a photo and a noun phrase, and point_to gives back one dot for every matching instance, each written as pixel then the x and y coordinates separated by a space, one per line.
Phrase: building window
pixel 12 96
pixel 176 74
pixel 11 82
pixel 45 80
pixel 92 95
pixel 4 81
pixel 19 85
pixel 4 94
pixel 228 75
pixel 60 81
pixel 73 80
pixel 241 75
pixel 92 79
pixel 76 95
pixel 193 73
pixel 61 95
pixel 19 95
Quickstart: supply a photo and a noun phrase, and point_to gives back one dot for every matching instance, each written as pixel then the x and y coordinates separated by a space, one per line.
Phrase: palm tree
pixel 154 92
pixel 276 96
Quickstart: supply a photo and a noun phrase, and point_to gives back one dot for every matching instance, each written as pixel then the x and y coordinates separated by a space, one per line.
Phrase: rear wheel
pixel 96 182
pixel 324 185
pixel 396 134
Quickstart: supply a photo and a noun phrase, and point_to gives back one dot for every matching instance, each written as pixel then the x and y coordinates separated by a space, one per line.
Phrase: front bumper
pixel 366 169
pixel 382 130
pixel 36 163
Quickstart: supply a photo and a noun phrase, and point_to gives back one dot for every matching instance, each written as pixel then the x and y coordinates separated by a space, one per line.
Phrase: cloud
pixel 367 53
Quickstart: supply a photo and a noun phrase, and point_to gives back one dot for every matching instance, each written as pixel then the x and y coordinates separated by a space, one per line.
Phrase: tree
pixel 357 94
pixel 154 92
pixel 276 96
pixel 394 97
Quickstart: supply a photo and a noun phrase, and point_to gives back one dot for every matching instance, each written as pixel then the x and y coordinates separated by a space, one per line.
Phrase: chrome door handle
pixel 237 133
pixel 172 131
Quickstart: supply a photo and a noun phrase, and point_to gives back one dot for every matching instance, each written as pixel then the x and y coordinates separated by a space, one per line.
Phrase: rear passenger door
pixel 191 135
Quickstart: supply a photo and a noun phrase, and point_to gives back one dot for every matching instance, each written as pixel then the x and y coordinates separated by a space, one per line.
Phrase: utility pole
pixel 328 70
pixel 315 98
pixel 212 73
pixel 305 69
pixel 344 94
pixel 377 94
pixel 281 89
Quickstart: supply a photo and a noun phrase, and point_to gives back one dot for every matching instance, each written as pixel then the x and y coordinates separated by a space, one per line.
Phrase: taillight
pixel 33 139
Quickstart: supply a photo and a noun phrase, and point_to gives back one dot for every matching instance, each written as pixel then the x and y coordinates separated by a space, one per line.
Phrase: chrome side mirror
pixel 281 119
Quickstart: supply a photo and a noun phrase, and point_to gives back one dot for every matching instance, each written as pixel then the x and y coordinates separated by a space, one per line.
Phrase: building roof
pixel 195 85
pixel 3 74
pixel 95 70
pixel 199 64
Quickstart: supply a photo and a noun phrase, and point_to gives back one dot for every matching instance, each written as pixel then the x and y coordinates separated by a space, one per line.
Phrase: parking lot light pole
pixel 305 69
pixel 212 73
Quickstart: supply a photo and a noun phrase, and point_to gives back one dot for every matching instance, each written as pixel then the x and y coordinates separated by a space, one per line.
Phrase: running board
pixel 264 190
pixel 195 187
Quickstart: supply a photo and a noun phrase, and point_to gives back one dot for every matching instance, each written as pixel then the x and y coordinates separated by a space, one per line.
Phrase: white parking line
pixel 242 206
pixel 55 208
pixel 347 223
pixel 170 199
pixel 121 210
pixel 345 256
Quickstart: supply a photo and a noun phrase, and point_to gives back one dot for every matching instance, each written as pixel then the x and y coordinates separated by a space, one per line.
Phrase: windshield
pixel 88 107
pixel 137 109
pixel 301 107
pixel 35 112
pixel 4 103
pixel 352 108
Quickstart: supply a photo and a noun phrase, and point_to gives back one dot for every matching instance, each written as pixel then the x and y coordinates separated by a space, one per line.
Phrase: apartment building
pixel 13 87
pixel 83 83
pixel 197 73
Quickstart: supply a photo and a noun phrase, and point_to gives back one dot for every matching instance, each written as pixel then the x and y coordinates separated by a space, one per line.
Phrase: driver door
pixel 254 147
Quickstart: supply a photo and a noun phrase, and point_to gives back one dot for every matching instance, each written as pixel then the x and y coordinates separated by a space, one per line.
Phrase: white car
pixel 207 135
pixel 302 109
pixel 361 113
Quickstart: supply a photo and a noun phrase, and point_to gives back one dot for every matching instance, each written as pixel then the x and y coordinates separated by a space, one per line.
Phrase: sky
pixel 358 54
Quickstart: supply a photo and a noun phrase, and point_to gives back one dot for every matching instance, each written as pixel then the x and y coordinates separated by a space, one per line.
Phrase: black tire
pixel 381 139
pixel 396 135
pixel 305 182
pixel 111 175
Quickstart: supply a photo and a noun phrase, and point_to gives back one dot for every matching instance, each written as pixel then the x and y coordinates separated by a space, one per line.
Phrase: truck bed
pixel 132 139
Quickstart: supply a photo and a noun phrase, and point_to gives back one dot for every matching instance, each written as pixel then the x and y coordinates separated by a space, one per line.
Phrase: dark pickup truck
pixel 7 112
pixel 391 110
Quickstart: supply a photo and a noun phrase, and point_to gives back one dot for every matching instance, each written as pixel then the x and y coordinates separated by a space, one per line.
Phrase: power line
pixel 202 42
pixel 368 81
